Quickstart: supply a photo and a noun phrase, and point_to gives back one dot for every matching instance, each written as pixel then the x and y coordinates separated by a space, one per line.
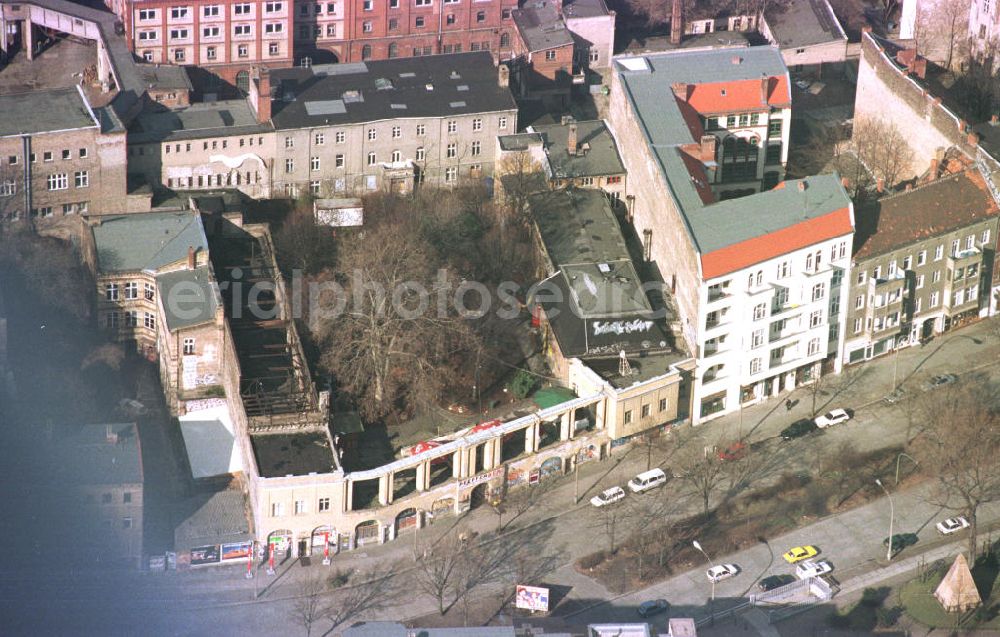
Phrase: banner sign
pixel 532 598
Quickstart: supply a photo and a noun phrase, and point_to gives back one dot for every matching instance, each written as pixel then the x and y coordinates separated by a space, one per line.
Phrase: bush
pixel 593 560
pixel 873 597
pixel 523 384
pixel 888 616
pixel 836 620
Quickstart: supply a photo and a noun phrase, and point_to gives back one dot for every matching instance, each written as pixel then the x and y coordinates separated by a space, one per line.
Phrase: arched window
pixel 243 82
pixel 366 52
pixel 729 148
pixel 393 50
pixel 504 40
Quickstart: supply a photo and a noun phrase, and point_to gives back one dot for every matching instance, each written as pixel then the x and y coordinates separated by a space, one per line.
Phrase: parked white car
pixel 608 496
pixel 809 568
pixel 647 480
pixel 951 525
pixel 831 418
pixel 721 572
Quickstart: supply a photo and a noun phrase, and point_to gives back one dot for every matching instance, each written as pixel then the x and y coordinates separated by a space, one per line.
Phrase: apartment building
pixel 757 279
pixel 389 124
pixel 361 30
pixel 923 264
pixel 223 37
pixel 59 156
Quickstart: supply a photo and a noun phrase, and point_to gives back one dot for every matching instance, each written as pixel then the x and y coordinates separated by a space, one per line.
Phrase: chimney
pixel 765 86
pixel 676 21
pixel 503 76
pixel 909 187
pixel 866 29
pixel 680 89
pixel 845 182
pixel 109 435
pixel 961 125
pixel 994 120
pixel 802 186
pixel 736 60
pixel 880 184
pixel 919 67
pixel 192 258
pixel 263 91
pixel 708 144
pixel 933 172
pixel 571 139
pixel 973 139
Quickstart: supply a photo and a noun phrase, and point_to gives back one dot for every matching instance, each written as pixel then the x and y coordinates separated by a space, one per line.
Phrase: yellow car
pixel 800 553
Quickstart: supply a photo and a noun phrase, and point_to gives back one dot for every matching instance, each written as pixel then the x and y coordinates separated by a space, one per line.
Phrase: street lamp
pixel 698 546
pixel 892 515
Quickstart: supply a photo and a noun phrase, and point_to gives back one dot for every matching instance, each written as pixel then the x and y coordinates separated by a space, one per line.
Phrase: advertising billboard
pixel 205 555
pixel 532 598
pixel 236 550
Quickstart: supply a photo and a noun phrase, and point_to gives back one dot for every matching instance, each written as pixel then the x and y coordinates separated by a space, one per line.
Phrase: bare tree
pixel 942 28
pixel 308 607
pixel 609 519
pixel 883 148
pixel 438 569
pixel 961 442
pixel 706 472
pixel 351 603
pixel 519 175
pixel 301 243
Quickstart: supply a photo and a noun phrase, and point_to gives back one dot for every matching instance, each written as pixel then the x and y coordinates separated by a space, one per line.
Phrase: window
pixel 177 13
pixel 147 14
pixel 393 50
pixel 368 5
pixel 241 9
pixel 809 261
pixel 628 416
pixel 451 174
pixel 242 50
pixel 47 156
pixel 148 35
pixel 330 8
pixel 933 299
pixel 450 19
pixel 985 238
pixel 397 132
pixel 314 187
pixel 277 509
pixel 922 257
pixel 131 290
pixel 58 181
pixel 773 154
pixel 393 4
pixel 188 346
pixel 505 14
pixel 420 154
pixel 393 25
pixel 340 137
pixel 273 7
pixel 242 29
pixel 274 27
pixel 148 320
pixel 938 252
pixel 451 152
pixel 422 3
pixel 774 127
pixel 759 311
pixel 331 30
pixel 131 318
pixel 210 12
pixel 178 56
pixel 920 281
pixel 663 404
pixel 210 54
pixel 300 507
pixel 289 165
pixel 834 304
pixel 481 17
pixel 111 292
pixel 319 139
pixel 452 126
pixel 550 55
pixel 418 21
pixel 371 159
pixel 289 142
pixel 818 291
pixel 816 318
pixel 970 242
pixel 8 188
pixel 477 148
pixel 857 325
pixel 757 338
pixel 314 163
pixel 372 134
pixel 935 276
pixel 82 178
pixel 178 34
pixel 338 161
pixel 504 40
pixel 859 302
pixel 813 347
pixel 323 505
pixel 644 411
pixel 477 124
pixel 502 123
pixel 421 130
pixel 210 32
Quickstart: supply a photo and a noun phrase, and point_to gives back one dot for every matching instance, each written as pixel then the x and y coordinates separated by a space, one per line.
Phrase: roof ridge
pixel 939 180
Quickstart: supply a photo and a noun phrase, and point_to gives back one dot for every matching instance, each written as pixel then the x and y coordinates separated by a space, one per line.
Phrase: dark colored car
pixel 900 541
pixel 775 581
pixel 653 607
pixel 798 429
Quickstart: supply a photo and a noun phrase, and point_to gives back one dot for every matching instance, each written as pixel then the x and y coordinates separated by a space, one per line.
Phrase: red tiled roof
pixel 801 235
pixel 690 118
pixel 741 95
pixel 697 171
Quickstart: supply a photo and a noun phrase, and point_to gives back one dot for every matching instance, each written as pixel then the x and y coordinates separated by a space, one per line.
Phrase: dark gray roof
pixel 212 518
pixel 712 225
pixel 147 241
pixel 578 226
pixel 716 39
pixel 165 77
pixel 540 26
pixel 388 89
pixel 35 112
pixel 88 456
pixel 189 297
pixel 520 141
pixel 803 23
pixel 600 159
pixel 206 119
pixel 298 454
pixel 584 8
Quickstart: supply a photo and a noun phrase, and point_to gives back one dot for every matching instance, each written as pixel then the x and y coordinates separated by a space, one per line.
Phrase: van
pixel 647 480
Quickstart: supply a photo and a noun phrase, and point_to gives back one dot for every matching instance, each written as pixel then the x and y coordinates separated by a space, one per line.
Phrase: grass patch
pixel 917 598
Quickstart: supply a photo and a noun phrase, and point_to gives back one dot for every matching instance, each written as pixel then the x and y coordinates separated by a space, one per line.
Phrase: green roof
pixel 188 296
pixel 147 241
pixel 552 396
